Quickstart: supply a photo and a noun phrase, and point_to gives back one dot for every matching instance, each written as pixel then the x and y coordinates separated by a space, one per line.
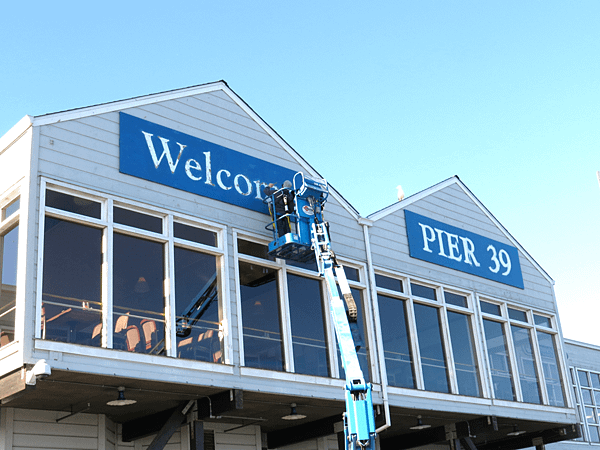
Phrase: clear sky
pixel 504 94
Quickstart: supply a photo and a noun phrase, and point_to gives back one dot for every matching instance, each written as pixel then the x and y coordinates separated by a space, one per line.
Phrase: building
pixel 134 264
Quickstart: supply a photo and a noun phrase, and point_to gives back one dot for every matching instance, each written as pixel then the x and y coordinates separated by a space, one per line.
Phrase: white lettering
pixel 236 182
pixel 259 186
pixel 208 169
pixel 166 152
pixel 220 181
pixel 192 164
pixel 453 247
pixel 494 259
pixel 427 240
pixel 469 249
pixel 441 241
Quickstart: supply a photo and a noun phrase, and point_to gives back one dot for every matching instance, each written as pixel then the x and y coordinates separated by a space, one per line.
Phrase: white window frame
pixel 166 238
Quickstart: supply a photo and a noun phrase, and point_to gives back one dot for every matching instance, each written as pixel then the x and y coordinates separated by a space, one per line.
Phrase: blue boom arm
pixel 311 237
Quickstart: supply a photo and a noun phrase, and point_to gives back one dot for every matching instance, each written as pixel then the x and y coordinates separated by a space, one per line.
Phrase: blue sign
pixel 448 246
pixel 185 162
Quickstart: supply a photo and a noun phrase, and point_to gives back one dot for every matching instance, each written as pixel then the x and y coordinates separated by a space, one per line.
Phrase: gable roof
pixel 442 185
pixel 133 102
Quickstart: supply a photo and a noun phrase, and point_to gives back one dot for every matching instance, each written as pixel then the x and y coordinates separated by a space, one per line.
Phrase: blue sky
pixel 506 95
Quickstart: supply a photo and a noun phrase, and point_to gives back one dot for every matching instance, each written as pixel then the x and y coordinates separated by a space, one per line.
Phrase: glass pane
pixel 498 359
pixel 308 326
pixel 254 249
pixel 308 265
pixel 137 220
pixel 197 306
pixel 516 314
pixel 359 336
pixel 8 285
pixel 71 203
pixel 542 321
pixel 586 395
pixel 138 295
pixel 423 291
pixel 263 345
pixel 594 434
pixel 464 354
pixel 71 288
pixel 352 274
pixel 597 397
pixel 10 209
pixel 455 299
pixel 550 366
pixel 433 359
pixel 195 234
pixel 396 345
pixel 490 308
pixel 583 380
pixel 392 284
pixel 526 364
pixel 590 415
pixel 595 380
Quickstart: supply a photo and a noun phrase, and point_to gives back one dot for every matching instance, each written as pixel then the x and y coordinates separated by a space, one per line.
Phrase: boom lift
pixel 307 237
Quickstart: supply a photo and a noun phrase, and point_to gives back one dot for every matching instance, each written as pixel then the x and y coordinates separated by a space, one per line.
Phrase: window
pixel 71 288
pixel 9 238
pixel 447 364
pixel 587 392
pixel 532 340
pixel 497 349
pixel 104 281
pixel 285 316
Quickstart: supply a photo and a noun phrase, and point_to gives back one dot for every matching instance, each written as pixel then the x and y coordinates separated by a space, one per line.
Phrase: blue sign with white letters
pixel 157 153
pixel 448 246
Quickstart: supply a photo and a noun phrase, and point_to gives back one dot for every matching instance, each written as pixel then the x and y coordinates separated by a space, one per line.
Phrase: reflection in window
pixel 530 386
pixel 455 299
pixel 71 203
pixel 8 285
pixel 137 220
pixel 490 308
pixel 392 284
pixel 71 288
pixel 308 326
pixel 194 234
pixel 263 345
pixel 550 366
pixel 498 359
pixel 423 291
pixel 396 345
pixel 463 350
pixel 254 249
pixel 433 359
pixel 138 295
pixel 197 306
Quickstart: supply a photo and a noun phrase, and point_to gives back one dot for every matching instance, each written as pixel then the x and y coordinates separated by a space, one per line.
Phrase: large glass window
pixel 71 289
pixel 99 257
pixel 8 274
pixel 431 348
pixel 197 306
pixel 138 294
pixel 259 292
pixel 497 349
pixel 463 350
pixel 308 325
pixel 448 360
pixel 549 357
pixel 530 387
pixel 396 344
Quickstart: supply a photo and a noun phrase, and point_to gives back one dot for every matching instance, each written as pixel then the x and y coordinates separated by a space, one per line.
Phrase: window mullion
pixel 448 352
pixel 539 366
pixel 512 356
pixel 107 280
pixel 414 344
pixel 286 327
pixel 170 312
